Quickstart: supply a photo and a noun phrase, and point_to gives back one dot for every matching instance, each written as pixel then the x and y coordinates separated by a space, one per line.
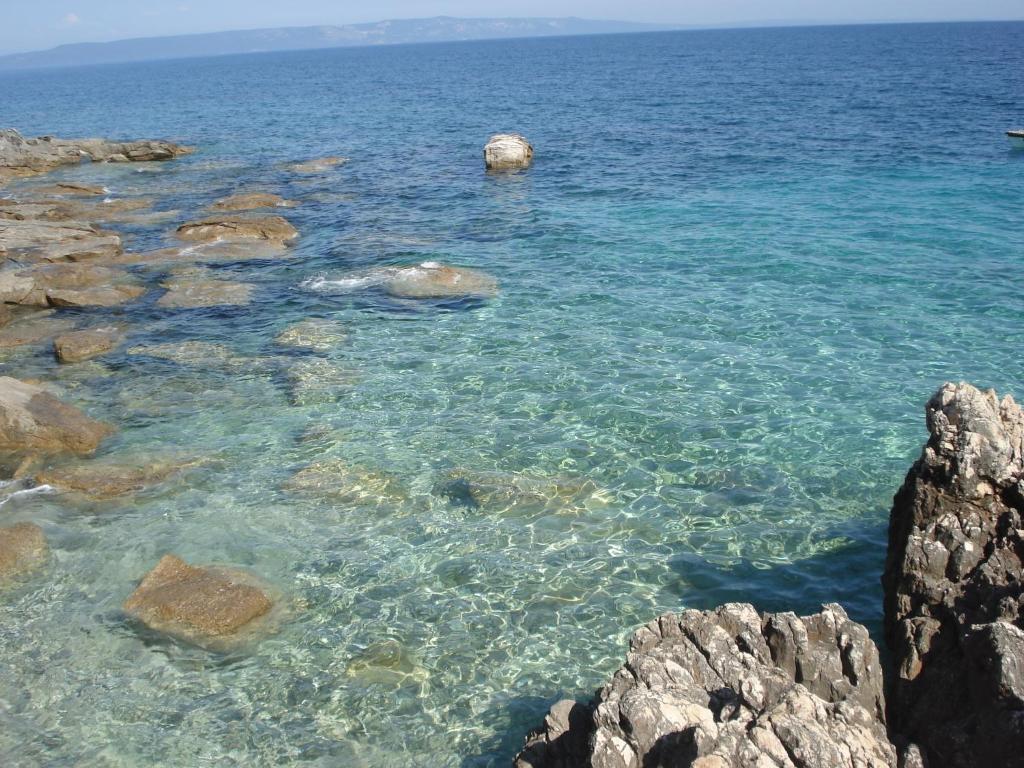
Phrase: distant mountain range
pixel 439 29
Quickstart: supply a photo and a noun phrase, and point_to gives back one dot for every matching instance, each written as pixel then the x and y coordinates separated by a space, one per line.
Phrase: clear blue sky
pixel 45 23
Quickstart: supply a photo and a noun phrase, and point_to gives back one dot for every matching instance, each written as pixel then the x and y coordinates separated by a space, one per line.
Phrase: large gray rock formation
pixel 954 604
pixel 26 157
pixel 730 688
pixel 507 151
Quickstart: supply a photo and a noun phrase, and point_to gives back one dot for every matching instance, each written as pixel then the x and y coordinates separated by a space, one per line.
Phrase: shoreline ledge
pixel 732 688
pixel 21 157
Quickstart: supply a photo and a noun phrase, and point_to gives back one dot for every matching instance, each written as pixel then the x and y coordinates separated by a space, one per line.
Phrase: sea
pixel 738 267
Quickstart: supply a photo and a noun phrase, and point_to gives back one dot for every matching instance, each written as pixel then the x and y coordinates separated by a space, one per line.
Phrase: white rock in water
pixel 507 150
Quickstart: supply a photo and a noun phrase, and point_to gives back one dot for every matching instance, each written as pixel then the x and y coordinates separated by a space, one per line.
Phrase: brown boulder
pixel 267 228
pixel 22 548
pixel 31 419
pixel 82 345
pixel 247 201
pixel 197 603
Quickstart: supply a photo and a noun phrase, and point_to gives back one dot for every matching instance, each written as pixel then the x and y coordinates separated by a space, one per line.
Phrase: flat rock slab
pixel 34 330
pixel 40 240
pixel 431 280
pixel 247 201
pixel 68 285
pixel 107 480
pixel 189 294
pixel 95 297
pixel 197 603
pixel 76 346
pixel 320 165
pixel 22 549
pixel 275 229
pixel 33 420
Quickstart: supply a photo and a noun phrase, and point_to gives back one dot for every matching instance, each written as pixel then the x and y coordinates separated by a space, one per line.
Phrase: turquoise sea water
pixel 741 262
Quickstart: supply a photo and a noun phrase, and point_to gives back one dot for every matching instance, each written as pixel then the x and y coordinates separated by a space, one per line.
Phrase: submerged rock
pixel 22 549
pixel 317 166
pixel 339 481
pixel 26 157
pixel 730 688
pixel 70 188
pixel 192 294
pixel 506 151
pixel 197 603
pixel 86 344
pixel 386 662
pixel 106 480
pixel 35 329
pixel 954 594
pixel 431 280
pixel 195 353
pixel 274 229
pixel 506 490
pixel 317 334
pixel 33 420
pixel 319 381
pixel 251 200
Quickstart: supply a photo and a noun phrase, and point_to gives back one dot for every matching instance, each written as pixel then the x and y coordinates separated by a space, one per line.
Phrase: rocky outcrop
pixel 29 240
pixel 247 201
pixel 68 285
pixel 33 420
pixel 27 157
pixel 274 229
pixel 730 688
pixel 431 280
pixel 77 346
pixel 22 548
pixel 199 604
pixel 954 596
pixel 507 151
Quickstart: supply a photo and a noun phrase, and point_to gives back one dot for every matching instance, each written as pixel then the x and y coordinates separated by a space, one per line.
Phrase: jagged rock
pixel 317 166
pixel 431 280
pixel 339 481
pixel 505 151
pixel 86 344
pixel 33 420
pixel 247 201
pixel 27 157
pixel 106 480
pixel 39 240
pixel 954 595
pixel 191 294
pixel 274 229
pixel 197 603
pixel 317 334
pixel 730 689
pixel 22 548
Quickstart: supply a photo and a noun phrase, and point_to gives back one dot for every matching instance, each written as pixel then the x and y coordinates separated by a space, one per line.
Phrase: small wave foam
pixel 21 490
pixel 325 284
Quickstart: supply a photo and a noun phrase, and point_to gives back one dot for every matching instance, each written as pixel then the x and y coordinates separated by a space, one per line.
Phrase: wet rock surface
pixel 730 688
pixel 197 603
pixel 274 229
pixel 22 549
pixel 431 280
pixel 33 420
pixel 40 240
pixel 246 201
pixel 76 346
pixel 954 597
pixel 105 479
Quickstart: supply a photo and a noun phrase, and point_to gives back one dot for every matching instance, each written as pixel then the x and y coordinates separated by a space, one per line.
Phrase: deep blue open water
pixel 740 264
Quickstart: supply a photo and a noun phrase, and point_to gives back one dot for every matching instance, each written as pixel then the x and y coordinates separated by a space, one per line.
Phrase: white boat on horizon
pixel 1016 139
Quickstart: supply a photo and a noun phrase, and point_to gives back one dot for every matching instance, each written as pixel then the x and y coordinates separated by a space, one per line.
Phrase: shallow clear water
pixel 740 264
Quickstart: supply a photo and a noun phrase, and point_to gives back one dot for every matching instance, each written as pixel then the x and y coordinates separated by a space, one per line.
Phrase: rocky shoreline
pixel 732 688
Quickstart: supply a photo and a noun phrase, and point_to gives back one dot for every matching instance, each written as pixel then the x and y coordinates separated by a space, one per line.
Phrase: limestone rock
pixel 197 603
pixel 954 594
pixel 431 280
pixel 316 334
pixel 274 229
pixel 31 419
pixel 317 166
pixel 76 346
pixel 730 689
pixel 22 548
pixel 506 151
pixel 340 481
pixel 247 201
pixel 27 157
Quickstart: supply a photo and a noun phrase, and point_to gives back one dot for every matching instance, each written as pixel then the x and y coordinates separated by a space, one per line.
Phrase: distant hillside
pixel 439 29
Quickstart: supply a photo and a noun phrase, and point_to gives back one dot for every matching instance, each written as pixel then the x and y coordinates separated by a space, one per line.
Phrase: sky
pixel 46 23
